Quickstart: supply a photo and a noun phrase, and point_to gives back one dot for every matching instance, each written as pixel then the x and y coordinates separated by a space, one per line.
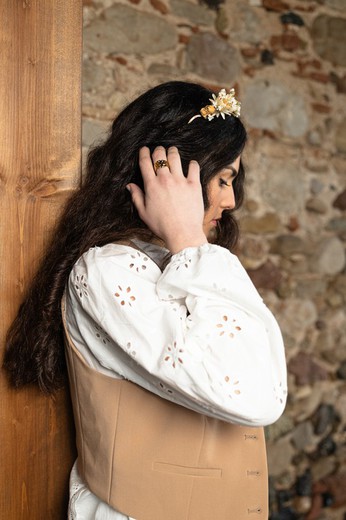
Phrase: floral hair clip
pixel 221 105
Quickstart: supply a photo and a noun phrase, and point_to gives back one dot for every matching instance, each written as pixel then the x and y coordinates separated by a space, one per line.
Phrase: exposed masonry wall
pixel 287 60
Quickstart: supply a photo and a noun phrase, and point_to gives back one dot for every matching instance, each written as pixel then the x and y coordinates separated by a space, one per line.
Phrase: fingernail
pixel 128 187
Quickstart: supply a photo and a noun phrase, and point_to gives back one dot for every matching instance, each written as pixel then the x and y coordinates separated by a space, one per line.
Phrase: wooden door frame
pixel 40 164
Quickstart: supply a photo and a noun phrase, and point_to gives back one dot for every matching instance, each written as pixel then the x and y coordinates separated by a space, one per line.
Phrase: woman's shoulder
pixel 134 255
pixel 105 253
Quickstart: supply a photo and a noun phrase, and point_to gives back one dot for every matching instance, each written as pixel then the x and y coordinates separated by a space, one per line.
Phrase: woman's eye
pixel 222 182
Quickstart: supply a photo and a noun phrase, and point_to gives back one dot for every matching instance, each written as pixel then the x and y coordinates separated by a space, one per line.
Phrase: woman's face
pixel 220 196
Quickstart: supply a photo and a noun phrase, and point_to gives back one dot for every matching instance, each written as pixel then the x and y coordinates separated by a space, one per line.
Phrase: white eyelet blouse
pixel 197 334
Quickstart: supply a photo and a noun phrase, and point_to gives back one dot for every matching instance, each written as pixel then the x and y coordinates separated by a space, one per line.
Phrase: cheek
pixel 213 195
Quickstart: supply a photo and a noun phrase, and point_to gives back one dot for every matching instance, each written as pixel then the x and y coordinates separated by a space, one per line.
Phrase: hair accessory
pixel 221 105
pixel 161 163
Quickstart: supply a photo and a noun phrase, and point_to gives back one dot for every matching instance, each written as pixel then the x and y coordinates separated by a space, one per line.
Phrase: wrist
pixel 179 243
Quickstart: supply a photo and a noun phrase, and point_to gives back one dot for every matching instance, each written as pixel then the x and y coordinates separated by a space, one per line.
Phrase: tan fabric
pixel 154 460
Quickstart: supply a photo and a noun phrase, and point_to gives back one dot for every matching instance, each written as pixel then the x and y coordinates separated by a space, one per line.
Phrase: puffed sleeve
pixel 197 334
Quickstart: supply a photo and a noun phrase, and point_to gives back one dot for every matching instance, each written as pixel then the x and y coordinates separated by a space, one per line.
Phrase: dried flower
pixel 222 105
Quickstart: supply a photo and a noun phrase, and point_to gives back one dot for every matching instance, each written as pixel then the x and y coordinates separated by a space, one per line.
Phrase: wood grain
pixel 39 166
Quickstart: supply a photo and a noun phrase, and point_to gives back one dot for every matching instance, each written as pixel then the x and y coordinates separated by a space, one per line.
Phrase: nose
pixel 228 201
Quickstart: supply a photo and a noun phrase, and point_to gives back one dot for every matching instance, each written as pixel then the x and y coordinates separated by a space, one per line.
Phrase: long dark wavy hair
pixel 101 211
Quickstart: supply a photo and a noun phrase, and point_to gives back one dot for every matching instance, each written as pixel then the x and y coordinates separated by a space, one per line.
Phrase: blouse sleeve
pixel 197 334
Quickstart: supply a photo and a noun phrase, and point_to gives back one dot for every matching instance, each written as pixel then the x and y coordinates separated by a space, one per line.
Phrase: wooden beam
pixel 39 166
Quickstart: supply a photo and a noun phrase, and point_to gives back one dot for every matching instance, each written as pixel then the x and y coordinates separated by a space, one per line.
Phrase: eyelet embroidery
pixel 185 264
pixel 174 355
pixel 231 386
pixel 229 327
pixel 218 288
pixel 81 285
pixel 125 296
pixel 280 393
pixel 138 262
pixel 130 350
pixel 102 335
pixel 165 389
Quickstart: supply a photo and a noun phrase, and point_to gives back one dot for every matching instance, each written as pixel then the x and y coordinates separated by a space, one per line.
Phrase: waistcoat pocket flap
pixel 164 467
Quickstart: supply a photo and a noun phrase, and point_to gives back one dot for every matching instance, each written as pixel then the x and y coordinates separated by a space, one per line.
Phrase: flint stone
pixel 340 201
pixel 296 316
pixel 267 57
pixel 334 300
pixel 316 165
pixel 94 75
pixel 280 456
pixel 283 185
pixel 331 258
pixel 129 31
pixel 341 372
pixel 221 22
pixel 244 25
pixel 93 131
pixel 337 224
pixel 329 38
pixel 163 71
pixel 212 57
pixel 267 276
pixel 306 370
pixel 302 504
pixel 305 407
pixel 339 82
pixel 287 245
pixel 251 205
pixel 253 252
pixel 316 186
pixel 324 419
pixel 323 467
pixel 268 223
pixel 279 428
pixel 303 436
pixel 292 18
pixel 334 4
pixel 196 14
pixel 314 137
pixel 316 205
pixel 336 485
pixel 340 136
pixel 332 348
pixel 213 4
pixel 340 406
pixel 339 285
pixel 272 106
pixel 297 264
pixel 326 446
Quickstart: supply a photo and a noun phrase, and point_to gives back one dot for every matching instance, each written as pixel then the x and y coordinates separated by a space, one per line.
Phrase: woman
pixel 175 364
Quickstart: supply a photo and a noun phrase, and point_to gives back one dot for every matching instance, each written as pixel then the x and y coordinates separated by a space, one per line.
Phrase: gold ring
pixel 161 163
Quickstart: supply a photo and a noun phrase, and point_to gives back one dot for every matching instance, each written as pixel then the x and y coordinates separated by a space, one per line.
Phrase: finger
pixel 174 160
pixel 193 174
pixel 137 196
pixel 145 164
pixel 159 154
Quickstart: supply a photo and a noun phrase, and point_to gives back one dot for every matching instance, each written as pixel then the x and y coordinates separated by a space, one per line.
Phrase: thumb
pixel 137 196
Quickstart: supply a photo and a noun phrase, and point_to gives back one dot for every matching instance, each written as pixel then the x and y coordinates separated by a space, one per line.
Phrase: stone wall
pixel 287 60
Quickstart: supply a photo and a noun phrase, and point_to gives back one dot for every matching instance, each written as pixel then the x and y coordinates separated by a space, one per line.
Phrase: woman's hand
pixel 171 205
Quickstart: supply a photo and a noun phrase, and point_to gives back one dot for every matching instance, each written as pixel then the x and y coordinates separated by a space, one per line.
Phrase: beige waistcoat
pixel 154 460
